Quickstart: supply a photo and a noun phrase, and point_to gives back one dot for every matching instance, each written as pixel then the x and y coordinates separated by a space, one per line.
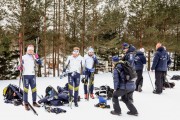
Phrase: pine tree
pixel 8 60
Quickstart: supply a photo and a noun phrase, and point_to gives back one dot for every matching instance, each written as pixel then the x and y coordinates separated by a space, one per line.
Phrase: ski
pixel 48 109
pixel 90 84
pixel 32 109
pixel 20 59
pixel 35 67
pixel 88 89
pixel 70 101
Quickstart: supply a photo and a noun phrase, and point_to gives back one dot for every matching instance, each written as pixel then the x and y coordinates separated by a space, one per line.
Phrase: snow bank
pixel 150 106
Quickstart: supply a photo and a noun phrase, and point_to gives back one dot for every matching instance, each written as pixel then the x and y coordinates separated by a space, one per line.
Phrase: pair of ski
pixel 89 85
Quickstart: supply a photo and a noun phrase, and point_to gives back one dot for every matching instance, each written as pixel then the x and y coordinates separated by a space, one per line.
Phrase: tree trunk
pixel 59 36
pixel 94 5
pixel 83 32
pixel 45 40
pixel 22 3
pixel 63 32
pixel 54 18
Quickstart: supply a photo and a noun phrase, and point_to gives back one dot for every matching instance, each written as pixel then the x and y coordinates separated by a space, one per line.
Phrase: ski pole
pixel 169 75
pixel 150 79
pixel 37 41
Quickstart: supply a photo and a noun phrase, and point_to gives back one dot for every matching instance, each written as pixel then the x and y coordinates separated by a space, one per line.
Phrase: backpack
pixel 55 98
pixel 104 91
pixel 175 77
pixel 129 72
pixel 168 84
pixel 132 58
pixel 50 91
pixel 130 75
pixel 12 94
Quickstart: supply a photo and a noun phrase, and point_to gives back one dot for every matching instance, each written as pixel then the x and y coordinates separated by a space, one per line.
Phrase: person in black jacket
pixel 160 66
pixel 129 56
pixel 120 89
pixel 140 60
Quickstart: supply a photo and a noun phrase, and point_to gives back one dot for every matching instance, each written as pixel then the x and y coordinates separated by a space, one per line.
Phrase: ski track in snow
pixel 150 106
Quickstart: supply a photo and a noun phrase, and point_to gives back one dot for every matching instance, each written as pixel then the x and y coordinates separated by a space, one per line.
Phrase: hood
pixel 160 49
pixel 139 53
pixel 131 49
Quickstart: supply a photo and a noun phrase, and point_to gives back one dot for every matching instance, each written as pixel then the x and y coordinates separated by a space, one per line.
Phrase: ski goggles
pixel 75 52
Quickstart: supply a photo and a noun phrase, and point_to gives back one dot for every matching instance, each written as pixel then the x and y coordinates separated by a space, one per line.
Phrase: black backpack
pixel 104 90
pixel 50 91
pixel 175 77
pixel 12 94
pixel 130 73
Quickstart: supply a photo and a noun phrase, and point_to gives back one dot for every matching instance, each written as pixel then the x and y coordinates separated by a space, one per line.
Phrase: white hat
pixel 30 47
pixel 142 50
pixel 90 50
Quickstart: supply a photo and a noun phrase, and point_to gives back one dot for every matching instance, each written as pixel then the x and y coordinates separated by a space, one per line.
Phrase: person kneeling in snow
pixel 29 78
pixel 102 103
pixel 120 89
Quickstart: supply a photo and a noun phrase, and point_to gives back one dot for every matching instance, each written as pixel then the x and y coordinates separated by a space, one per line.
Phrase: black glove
pixel 83 80
pixel 64 70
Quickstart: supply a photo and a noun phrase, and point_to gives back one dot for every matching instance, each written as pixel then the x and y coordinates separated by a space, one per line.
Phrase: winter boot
pixel 163 88
pixel 35 104
pixel 76 104
pixel 139 88
pixel 27 107
pixel 92 96
pixel 131 113
pixel 115 113
pixel 155 92
pixel 85 96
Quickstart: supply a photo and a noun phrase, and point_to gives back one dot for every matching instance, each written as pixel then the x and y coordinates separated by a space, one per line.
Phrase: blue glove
pixel 84 72
pixel 92 70
pixel 94 57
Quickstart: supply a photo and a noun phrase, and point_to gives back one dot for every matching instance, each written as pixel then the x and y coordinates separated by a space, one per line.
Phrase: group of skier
pixel 77 67
pixel 137 59
pixel 82 69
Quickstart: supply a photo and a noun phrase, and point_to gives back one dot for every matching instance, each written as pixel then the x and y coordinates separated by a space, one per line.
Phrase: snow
pixel 150 106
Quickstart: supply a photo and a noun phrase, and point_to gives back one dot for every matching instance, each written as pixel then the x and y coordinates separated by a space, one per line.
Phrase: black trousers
pixel 125 98
pixel 159 76
pixel 164 78
pixel 139 80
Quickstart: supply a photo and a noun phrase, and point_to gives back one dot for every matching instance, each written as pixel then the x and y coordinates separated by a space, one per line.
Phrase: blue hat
pixel 125 45
pixel 115 59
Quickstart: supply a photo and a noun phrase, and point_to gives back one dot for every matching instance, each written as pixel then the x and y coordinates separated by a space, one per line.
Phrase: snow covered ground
pixel 150 106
